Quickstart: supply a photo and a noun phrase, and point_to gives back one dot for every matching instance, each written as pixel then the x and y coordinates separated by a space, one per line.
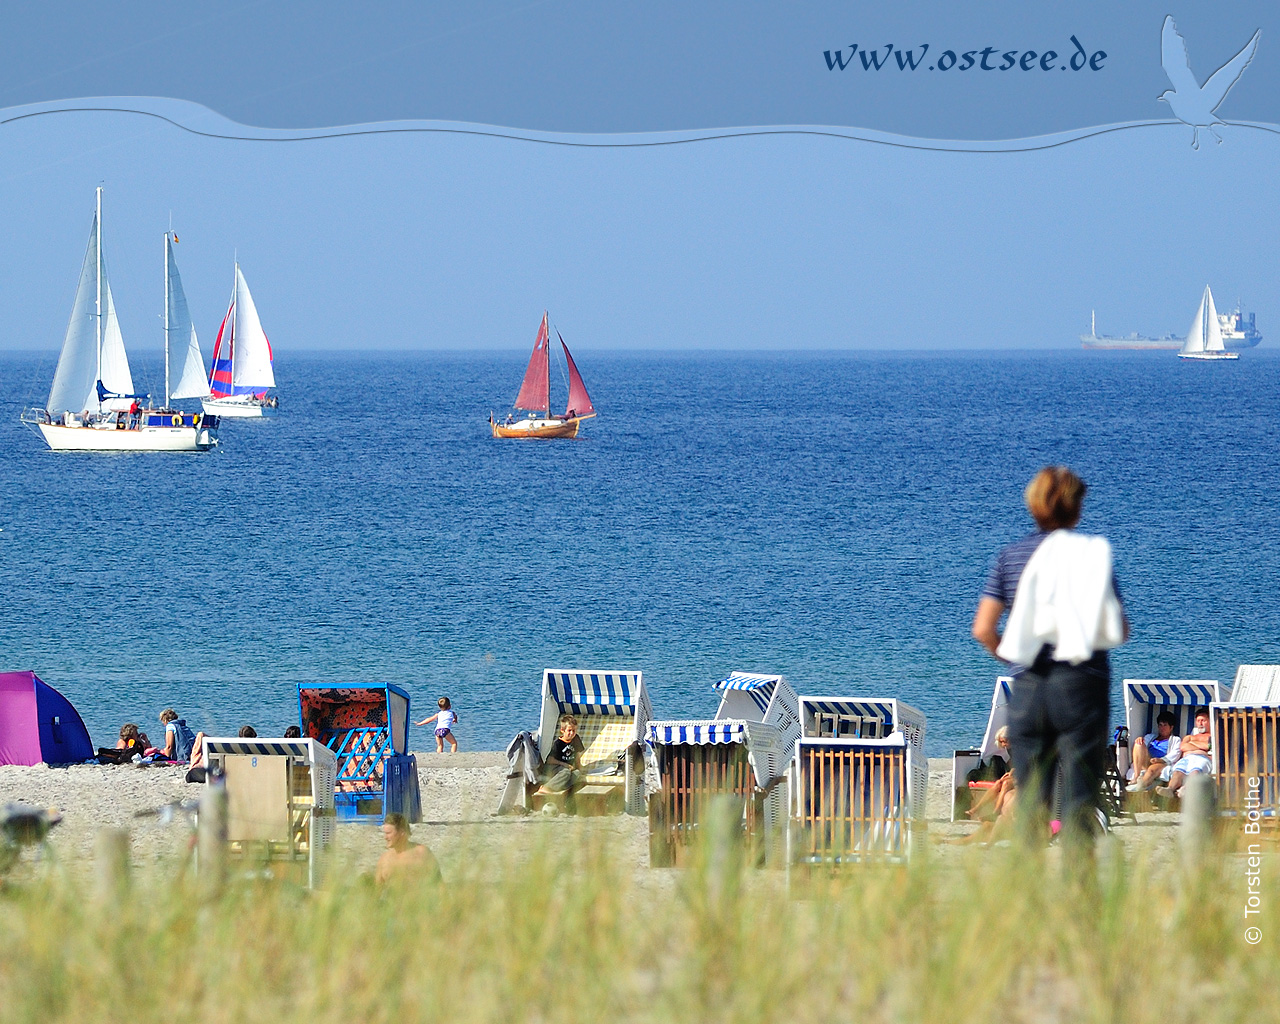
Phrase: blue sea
pixel 828 517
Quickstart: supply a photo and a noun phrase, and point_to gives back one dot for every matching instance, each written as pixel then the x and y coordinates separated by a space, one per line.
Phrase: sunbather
pixel 404 860
pixel 991 804
pixel 1194 759
pixel 1153 753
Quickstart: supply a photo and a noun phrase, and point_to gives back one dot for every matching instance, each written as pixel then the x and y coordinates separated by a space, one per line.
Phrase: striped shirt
pixel 1002 581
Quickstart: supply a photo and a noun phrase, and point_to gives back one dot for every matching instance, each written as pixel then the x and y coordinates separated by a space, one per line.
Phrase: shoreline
pixel 459 794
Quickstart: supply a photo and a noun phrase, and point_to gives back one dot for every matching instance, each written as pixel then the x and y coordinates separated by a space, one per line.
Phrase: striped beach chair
pixel 612 708
pixel 1246 747
pixel 1145 699
pixel 280 799
pixel 858 782
pixel 964 761
pixel 738 759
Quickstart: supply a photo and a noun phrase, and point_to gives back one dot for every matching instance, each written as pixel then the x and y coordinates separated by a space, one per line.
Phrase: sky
pixel 451 240
pixel 429 241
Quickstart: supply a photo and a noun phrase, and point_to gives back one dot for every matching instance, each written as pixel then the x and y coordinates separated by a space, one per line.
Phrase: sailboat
pixel 535 396
pixel 1204 338
pixel 241 372
pixel 92 405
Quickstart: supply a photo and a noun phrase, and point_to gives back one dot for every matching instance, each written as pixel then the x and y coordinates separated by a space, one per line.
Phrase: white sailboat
pixel 1204 338
pixel 92 405
pixel 241 372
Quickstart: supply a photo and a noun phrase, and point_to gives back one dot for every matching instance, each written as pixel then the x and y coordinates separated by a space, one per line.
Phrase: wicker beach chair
pixel 280 800
pixel 858 781
pixel 612 709
pixel 366 726
pixel 736 761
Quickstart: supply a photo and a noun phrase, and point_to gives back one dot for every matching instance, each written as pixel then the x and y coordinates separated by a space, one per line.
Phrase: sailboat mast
pixel 166 319
pixel 545 319
pixel 97 302
pixel 235 315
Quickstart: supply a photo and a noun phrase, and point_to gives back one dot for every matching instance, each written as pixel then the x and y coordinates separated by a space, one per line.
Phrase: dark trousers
pixel 1058 717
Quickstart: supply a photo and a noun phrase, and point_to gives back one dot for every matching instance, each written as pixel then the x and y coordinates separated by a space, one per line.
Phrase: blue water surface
pixel 831 518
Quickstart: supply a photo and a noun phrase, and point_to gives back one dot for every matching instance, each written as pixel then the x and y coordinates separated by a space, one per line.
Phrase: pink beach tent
pixel 37 724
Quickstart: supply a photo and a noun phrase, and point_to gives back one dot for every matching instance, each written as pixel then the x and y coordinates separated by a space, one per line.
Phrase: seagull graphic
pixel 1192 103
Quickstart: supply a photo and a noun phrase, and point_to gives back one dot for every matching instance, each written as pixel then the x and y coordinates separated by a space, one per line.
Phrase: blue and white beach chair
pixel 612 708
pixel 859 780
pixel 741 755
pixel 1146 699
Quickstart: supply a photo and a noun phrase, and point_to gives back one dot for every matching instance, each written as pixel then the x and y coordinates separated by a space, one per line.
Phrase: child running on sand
pixel 444 719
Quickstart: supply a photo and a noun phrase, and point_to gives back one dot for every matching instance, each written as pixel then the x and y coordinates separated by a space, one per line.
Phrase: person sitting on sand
pixel 131 741
pixel 1153 753
pixel 178 737
pixel 197 771
pixel 1194 756
pixel 404 861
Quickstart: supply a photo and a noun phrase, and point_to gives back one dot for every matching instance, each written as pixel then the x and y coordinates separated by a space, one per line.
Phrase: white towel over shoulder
pixel 1065 598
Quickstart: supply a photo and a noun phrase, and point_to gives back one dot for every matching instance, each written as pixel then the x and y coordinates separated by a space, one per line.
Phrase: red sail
pixel 535 392
pixel 579 400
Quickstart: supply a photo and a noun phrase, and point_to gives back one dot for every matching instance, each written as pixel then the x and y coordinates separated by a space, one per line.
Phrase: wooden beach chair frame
pixel 612 708
pixel 739 759
pixel 857 794
pixel 1245 752
pixel 280 799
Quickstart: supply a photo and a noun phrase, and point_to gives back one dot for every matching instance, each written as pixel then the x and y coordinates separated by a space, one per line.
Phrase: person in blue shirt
pixel 1154 752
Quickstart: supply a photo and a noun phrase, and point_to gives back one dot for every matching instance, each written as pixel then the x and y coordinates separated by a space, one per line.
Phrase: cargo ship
pixel 1239 332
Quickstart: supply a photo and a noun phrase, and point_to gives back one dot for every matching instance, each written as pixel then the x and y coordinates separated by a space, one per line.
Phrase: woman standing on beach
pixel 1064 614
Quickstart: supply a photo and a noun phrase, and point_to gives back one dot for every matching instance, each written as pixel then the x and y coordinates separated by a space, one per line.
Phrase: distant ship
pixel 1238 333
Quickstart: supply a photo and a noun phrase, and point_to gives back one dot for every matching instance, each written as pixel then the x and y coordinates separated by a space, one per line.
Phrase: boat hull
pixel 531 429
pixel 143 439
pixel 1139 344
pixel 1213 356
pixel 240 409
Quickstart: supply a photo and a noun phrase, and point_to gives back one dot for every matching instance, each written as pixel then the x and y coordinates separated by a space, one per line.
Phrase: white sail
pixel 1213 332
pixel 115 375
pixel 252 366
pixel 75 381
pixel 1196 332
pixel 180 331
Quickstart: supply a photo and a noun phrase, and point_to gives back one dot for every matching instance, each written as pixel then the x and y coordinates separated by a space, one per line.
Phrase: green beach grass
pixel 562 931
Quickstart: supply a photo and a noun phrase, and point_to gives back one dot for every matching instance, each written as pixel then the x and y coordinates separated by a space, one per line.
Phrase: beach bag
pixel 184 740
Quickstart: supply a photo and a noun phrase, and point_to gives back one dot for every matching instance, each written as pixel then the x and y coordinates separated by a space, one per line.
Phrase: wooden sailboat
pixel 1204 339
pixel 92 405
pixel 535 396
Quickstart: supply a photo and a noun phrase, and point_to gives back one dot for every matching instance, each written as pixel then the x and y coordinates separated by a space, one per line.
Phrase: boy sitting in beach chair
pixel 562 768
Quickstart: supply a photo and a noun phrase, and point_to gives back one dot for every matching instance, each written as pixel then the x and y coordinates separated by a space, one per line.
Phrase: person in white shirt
pixel 1154 754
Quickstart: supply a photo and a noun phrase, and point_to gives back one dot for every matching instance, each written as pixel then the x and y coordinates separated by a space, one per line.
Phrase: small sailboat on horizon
pixel 1204 338
pixel 535 396
pixel 242 371
pixel 92 405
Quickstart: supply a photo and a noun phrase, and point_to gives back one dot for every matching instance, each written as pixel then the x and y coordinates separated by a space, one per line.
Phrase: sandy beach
pixel 459 794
